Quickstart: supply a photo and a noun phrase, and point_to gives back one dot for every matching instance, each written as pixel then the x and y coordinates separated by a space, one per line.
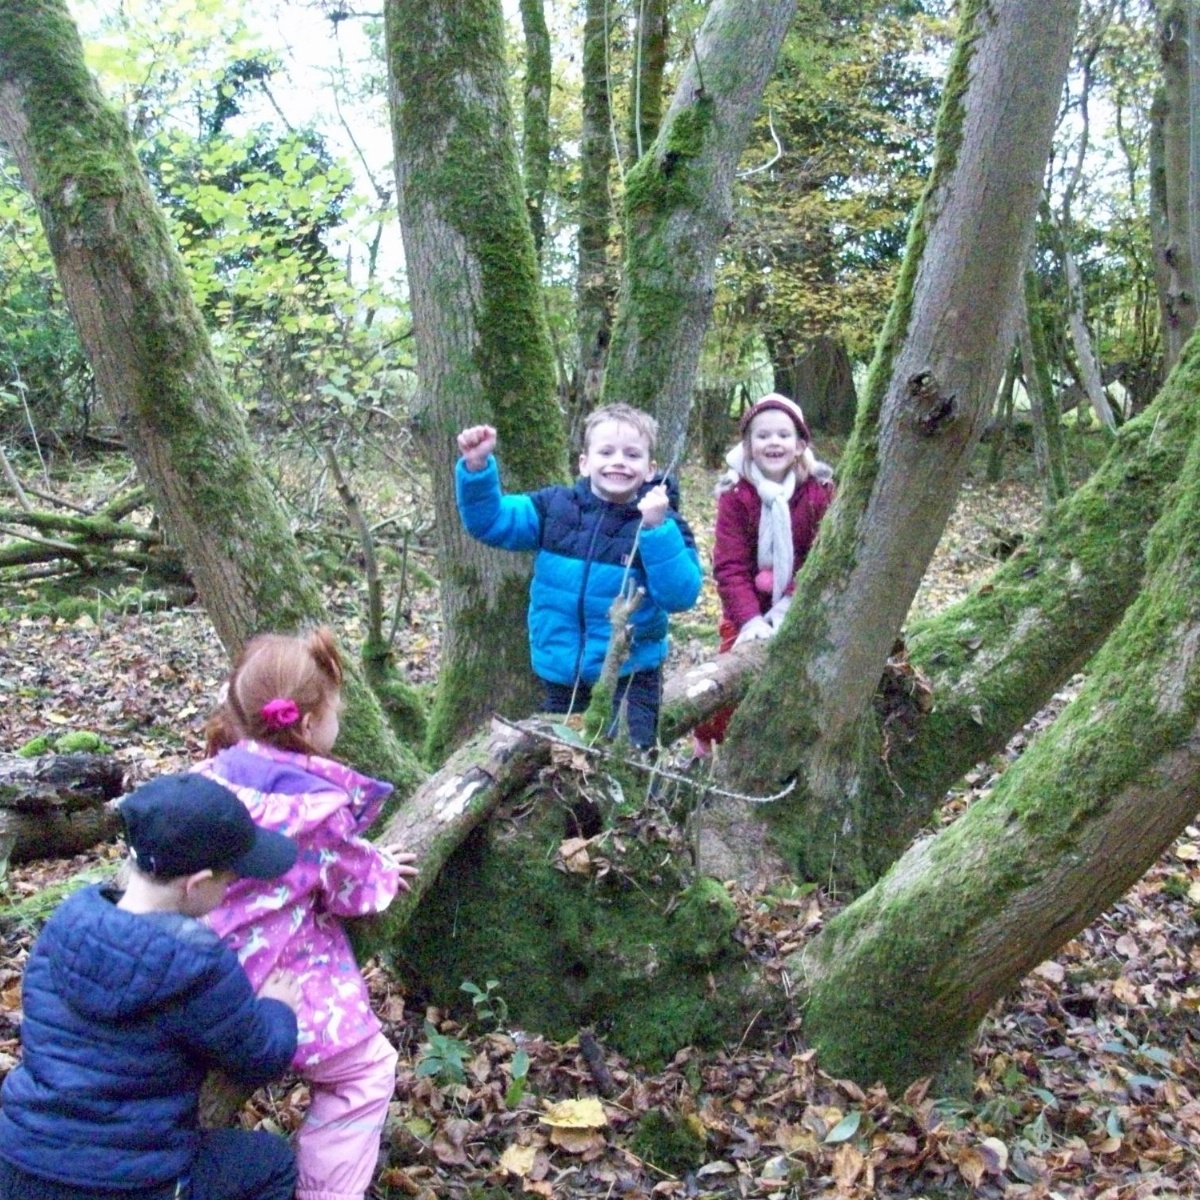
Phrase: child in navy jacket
pixel 129 1001
pixel 616 525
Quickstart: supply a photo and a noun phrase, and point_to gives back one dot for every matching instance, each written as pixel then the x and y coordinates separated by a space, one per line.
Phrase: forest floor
pixel 1082 1083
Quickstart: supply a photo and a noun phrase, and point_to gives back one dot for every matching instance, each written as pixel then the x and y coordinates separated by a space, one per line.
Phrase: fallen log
pixel 57 805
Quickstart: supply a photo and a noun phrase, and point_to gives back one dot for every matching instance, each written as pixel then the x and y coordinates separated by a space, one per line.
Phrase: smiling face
pixel 617 461
pixel 774 443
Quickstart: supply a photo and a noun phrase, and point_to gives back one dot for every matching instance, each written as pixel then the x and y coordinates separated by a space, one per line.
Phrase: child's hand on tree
pixel 281 985
pixel 403 863
pixel 757 629
pixel 654 506
pixel 475 444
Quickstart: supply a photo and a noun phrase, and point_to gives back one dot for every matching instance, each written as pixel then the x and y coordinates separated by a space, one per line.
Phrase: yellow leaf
pixel 587 1113
pixel 518 1160
pixel 1188 852
pixel 57 718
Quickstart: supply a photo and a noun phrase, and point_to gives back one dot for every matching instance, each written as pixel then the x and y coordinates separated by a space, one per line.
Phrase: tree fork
pixel 897 982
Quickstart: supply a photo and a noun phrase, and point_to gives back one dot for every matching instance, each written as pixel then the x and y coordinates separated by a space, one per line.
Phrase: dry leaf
pixel 518 1160
pixel 587 1113
pixel 848 1165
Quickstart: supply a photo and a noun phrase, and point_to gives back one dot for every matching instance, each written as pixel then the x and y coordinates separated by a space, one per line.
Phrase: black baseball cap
pixel 177 825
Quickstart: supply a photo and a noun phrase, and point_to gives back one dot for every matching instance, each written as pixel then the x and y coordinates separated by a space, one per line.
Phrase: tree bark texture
pixel 928 398
pixel 649 68
pixel 483 348
pixel 145 338
pixel 994 659
pixel 535 149
pixel 898 981
pixel 57 805
pixel 678 207
pixel 1081 338
pixel 595 286
pixel 1172 131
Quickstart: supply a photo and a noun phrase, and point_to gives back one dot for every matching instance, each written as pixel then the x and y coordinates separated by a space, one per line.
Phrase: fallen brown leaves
pixel 1083 1085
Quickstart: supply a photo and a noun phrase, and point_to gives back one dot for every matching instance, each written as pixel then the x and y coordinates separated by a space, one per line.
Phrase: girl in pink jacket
pixel 267 742
pixel 769 505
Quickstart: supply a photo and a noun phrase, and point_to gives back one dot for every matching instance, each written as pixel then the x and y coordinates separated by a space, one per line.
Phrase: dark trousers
pixel 641 692
pixel 233 1164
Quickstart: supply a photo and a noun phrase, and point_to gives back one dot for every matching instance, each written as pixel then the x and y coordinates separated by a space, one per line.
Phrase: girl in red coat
pixel 769 505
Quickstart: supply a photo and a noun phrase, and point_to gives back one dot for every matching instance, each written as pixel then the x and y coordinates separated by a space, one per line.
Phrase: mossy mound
pixel 78 741
pixel 583 919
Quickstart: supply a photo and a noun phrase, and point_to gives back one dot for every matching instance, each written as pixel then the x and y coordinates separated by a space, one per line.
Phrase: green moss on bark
pixel 901 978
pixel 634 950
pixel 448 62
pixel 465 695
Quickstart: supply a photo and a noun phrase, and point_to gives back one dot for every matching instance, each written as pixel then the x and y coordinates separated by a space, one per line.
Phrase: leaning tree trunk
pixel 678 206
pixel 993 660
pixel 809 715
pixel 897 983
pixel 145 339
pixel 483 348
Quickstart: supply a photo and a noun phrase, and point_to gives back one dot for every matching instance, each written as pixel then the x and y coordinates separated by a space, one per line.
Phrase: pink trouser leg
pixel 337 1146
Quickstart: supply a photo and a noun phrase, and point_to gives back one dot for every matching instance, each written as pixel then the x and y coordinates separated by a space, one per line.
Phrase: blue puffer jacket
pixel 124 1014
pixel 583 546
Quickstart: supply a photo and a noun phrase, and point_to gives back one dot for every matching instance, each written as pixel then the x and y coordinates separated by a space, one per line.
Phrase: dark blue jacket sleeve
pixel 252 1040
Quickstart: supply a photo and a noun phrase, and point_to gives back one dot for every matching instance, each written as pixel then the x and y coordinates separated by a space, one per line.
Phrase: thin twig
pixel 650 768
pixel 14 482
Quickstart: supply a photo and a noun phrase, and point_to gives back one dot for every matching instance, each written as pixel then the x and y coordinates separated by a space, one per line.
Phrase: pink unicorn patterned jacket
pixel 295 922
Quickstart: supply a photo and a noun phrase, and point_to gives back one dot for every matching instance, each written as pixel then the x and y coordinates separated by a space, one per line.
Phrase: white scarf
pixel 775 549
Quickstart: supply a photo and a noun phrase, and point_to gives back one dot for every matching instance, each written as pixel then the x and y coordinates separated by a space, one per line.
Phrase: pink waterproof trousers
pixel 337 1146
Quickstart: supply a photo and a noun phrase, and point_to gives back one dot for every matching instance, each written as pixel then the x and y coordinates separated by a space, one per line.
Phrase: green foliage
pixel 442 1057
pixel 519 1070
pixel 489 1006
pixel 669 1141
pixel 820 235
pixel 633 945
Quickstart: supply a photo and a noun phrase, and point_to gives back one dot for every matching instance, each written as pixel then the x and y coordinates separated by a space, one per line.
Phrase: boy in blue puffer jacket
pixel 129 1000
pixel 616 524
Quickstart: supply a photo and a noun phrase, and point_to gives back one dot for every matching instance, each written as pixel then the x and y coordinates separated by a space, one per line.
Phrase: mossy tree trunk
pixel 649 69
pixel 535 141
pixel 483 348
pixel 595 280
pixel 897 982
pixel 678 206
pixel 994 659
pixel 930 391
pixel 145 339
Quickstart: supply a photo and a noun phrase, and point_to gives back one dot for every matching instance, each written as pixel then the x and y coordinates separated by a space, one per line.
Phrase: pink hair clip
pixel 280 713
